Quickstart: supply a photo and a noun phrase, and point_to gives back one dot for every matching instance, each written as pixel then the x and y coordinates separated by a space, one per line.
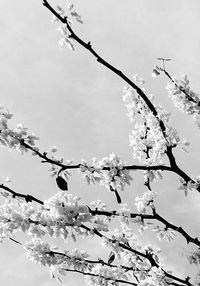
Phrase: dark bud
pixel 62 184
pixel 111 257
pixel 28 198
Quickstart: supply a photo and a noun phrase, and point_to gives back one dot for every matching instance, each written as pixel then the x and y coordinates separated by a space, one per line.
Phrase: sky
pixel 69 100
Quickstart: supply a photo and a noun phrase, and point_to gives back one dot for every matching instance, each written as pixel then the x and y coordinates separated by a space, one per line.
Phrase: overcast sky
pixel 69 100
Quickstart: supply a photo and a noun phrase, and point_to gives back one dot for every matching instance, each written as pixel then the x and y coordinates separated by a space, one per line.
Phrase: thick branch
pixel 173 168
pixel 154 216
pixel 88 47
pixel 63 167
pixel 185 282
pixel 146 255
pixel 91 262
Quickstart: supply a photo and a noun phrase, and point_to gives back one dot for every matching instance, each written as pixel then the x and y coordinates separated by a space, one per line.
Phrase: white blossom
pixel 109 172
pixel 184 98
pixel 163 233
pixel 147 200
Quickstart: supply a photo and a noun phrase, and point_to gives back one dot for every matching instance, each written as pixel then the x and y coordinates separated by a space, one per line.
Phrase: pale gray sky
pixel 71 101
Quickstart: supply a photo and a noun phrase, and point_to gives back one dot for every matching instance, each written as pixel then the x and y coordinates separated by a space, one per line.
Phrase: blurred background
pixel 69 100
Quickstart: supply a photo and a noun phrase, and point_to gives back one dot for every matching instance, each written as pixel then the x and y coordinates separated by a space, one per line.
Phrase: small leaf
pixel 164 59
pixel 62 184
pixel 111 257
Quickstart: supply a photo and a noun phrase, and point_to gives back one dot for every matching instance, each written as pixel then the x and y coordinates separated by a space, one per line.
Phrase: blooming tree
pixel 65 216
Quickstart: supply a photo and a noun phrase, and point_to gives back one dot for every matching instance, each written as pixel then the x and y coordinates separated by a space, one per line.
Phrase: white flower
pixel 147 199
pixel 163 233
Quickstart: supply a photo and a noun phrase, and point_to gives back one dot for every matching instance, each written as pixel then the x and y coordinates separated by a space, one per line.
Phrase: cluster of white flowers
pixel 41 252
pixel 61 216
pixel 54 169
pixel 146 139
pixel 124 214
pixel 100 274
pixel 133 102
pixel 184 98
pixel 71 14
pixel 125 236
pixel 109 172
pixel 11 138
pixel 147 200
pixel 99 205
pixel 107 276
pixel 63 206
pixel 155 277
pixel 145 273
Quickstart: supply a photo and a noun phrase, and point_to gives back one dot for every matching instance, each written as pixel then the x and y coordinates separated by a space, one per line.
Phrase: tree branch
pixel 116 71
pixel 154 216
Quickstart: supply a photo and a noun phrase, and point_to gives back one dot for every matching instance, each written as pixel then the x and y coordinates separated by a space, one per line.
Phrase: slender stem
pixel 172 168
pixel 63 167
pixel 88 46
pixel 28 198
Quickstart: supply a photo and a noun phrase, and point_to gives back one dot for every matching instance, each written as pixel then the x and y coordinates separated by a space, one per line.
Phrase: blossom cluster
pixel 109 172
pixel 61 216
pixel 70 14
pixel 156 277
pixel 147 140
pixel 147 200
pixel 43 253
pixel 107 276
pixel 59 263
pixel 184 98
pixel 142 269
pixel 13 139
